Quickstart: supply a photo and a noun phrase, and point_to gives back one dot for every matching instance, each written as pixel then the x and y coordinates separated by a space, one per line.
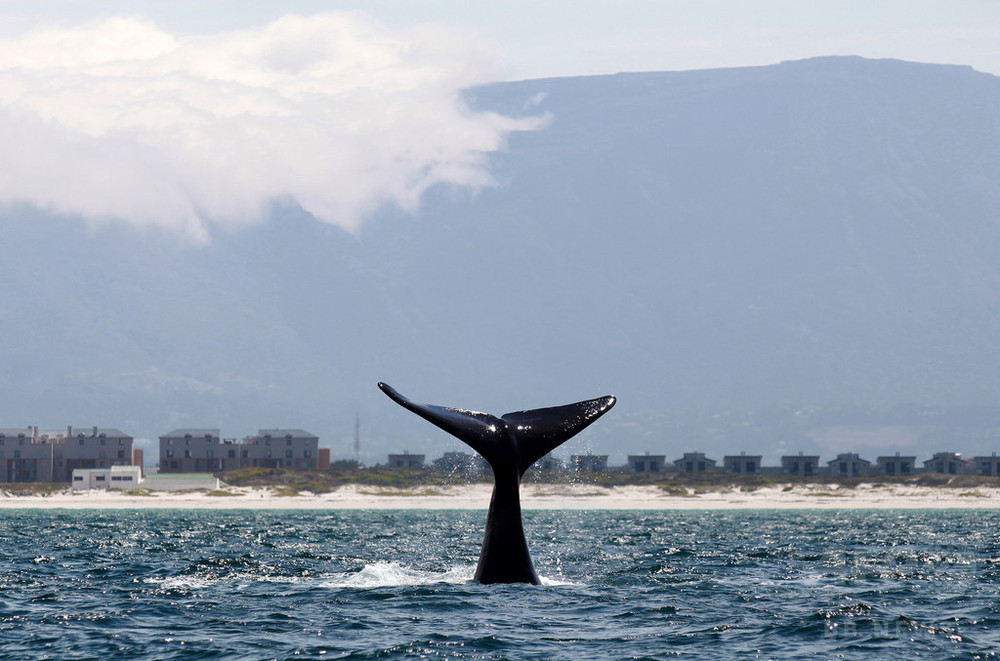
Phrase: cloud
pixel 121 120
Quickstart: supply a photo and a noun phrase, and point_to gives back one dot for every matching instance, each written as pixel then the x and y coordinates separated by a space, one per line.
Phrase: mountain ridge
pixel 814 233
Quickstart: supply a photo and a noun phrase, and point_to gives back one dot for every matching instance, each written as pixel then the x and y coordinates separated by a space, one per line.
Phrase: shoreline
pixel 533 497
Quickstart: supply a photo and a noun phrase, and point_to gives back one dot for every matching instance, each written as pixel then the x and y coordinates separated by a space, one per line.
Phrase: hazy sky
pixel 193 113
pixel 538 38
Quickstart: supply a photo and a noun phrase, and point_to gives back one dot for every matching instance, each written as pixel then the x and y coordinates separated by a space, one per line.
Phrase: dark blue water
pixel 395 585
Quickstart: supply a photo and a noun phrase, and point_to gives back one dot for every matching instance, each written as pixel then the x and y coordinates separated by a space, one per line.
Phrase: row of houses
pixel 30 455
pixel 848 464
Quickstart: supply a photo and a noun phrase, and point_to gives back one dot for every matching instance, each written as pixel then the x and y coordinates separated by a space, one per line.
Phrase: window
pixel 170 453
pixel 170 441
pixel 103 440
pixel 307 453
pixel 232 454
pixel 99 478
pixel 187 454
pixel 173 464
pixel 245 454
pixel 267 453
pixel 288 454
pixel 288 441
pixel 78 478
pixel 81 440
pixel 17 454
pixel 209 453
pixel 121 454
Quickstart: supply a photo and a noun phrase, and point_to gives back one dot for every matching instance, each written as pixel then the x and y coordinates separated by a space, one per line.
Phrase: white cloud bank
pixel 122 120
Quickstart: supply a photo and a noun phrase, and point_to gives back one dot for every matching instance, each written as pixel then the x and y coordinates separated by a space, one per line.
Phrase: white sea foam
pixel 392 574
pixel 181 582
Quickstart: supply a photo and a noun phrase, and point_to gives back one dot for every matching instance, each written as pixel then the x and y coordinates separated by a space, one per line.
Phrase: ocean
pixel 190 584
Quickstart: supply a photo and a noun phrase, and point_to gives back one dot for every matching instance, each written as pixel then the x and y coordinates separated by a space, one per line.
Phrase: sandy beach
pixel 533 497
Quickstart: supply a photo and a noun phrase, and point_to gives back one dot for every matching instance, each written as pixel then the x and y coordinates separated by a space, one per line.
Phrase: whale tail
pixel 511 443
pixel 516 439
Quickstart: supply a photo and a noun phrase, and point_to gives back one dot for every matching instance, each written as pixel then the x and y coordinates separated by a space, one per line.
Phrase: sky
pixel 190 115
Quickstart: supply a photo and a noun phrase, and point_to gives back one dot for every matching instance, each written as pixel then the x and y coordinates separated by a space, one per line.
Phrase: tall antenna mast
pixel 357 439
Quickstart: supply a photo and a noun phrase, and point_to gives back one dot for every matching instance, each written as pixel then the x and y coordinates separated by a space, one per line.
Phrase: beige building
pixel 27 455
pixel 204 451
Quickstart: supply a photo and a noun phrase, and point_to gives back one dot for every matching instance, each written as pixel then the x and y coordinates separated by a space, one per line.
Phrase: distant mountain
pixel 758 259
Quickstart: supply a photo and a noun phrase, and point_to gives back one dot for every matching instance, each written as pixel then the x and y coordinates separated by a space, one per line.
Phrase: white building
pixel 113 477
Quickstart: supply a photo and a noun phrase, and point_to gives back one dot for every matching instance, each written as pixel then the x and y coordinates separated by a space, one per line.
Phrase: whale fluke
pixel 511 444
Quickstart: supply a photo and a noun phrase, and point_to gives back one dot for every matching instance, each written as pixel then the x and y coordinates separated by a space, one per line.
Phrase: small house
pixel 694 462
pixel 647 463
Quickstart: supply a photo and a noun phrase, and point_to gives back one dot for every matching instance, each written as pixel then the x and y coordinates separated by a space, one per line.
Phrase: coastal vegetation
pixel 348 472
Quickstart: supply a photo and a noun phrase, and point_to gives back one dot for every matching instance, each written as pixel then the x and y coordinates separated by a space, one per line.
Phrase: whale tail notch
pixel 540 431
pixel 525 435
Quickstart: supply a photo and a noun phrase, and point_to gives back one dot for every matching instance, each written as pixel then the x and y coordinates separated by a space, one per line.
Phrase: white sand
pixel 558 497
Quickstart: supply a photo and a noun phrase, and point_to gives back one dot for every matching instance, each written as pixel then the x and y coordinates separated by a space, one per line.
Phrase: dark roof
pixel 195 433
pixel 281 433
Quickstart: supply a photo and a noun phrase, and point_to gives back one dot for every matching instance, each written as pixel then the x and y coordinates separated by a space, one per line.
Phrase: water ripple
pixel 397 585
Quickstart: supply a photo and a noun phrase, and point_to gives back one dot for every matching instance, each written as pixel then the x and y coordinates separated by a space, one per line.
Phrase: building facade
pixel 548 463
pixel 647 463
pixel 802 465
pixel 946 463
pixel 459 462
pixel 895 465
pixel 986 465
pixel 27 455
pixel 742 463
pixel 694 462
pixel 592 463
pixel 406 460
pixel 115 477
pixel 848 464
pixel 204 451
